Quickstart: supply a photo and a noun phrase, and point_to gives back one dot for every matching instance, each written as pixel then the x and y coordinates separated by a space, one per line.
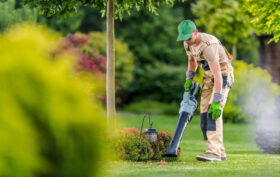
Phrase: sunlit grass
pixel 244 158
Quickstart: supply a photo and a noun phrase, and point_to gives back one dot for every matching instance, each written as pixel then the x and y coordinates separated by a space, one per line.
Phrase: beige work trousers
pixel 211 129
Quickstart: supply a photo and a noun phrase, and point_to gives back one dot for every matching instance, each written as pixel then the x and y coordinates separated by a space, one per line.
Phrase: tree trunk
pixel 270 57
pixel 234 54
pixel 272 60
pixel 110 74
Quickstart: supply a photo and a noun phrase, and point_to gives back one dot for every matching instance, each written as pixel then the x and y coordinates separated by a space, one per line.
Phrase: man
pixel 206 51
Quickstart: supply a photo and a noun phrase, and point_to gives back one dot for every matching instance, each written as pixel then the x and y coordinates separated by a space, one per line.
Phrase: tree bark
pixel 110 71
pixel 234 54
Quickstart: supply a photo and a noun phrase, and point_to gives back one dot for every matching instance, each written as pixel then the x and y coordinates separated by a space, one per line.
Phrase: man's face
pixel 192 39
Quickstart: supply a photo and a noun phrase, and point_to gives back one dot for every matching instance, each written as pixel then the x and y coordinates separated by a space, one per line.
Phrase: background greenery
pixel 150 64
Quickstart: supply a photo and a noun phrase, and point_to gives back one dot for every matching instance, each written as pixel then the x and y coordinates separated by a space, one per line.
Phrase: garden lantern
pixel 149 133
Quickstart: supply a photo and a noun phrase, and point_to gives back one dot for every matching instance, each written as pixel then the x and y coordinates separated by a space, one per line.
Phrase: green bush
pixel 50 122
pixel 130 145
pixel 252 95
pixel 161 82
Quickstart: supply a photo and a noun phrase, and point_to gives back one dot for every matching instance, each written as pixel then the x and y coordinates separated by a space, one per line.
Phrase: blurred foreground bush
pixel 50 123
pixel 130 145
pixel 252 96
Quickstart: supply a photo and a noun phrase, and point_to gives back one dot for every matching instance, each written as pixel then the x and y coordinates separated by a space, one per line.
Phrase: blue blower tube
pixel 187 109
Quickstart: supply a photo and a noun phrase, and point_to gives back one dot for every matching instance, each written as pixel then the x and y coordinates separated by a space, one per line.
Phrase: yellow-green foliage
pixel 50 123
pixel 253 93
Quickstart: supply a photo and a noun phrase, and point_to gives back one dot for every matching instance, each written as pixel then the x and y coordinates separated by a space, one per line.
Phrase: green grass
pixel 244 158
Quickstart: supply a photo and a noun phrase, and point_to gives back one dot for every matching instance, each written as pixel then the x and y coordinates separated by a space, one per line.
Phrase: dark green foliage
pixel 12 12
pixel 85 20
pixel 153 41
pixel 67 8
pixel 153 38
pixel 64 25
pixel 160 82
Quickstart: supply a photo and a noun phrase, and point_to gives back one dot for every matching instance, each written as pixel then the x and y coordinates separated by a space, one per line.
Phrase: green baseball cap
pixel 185 30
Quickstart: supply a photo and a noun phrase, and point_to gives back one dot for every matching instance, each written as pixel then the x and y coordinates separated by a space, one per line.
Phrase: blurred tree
pixel 224 19
pixel 266 18
pixel 12 13
pixel 155 39
pixel 114 8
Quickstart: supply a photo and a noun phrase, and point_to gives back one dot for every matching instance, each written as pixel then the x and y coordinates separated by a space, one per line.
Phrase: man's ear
pixel 195 31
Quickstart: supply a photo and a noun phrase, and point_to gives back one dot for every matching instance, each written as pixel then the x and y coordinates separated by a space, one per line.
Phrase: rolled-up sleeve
pixel 211 54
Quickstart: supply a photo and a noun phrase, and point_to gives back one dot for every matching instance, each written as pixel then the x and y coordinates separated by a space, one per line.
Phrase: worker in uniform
pixel 206 51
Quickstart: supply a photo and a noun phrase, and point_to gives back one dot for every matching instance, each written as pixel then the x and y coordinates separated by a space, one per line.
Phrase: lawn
pixel 244 157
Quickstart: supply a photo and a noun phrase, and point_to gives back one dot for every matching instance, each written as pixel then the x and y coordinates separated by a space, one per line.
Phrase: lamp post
pixel 149 133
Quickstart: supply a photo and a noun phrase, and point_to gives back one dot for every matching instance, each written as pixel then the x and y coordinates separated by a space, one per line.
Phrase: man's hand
pixel 216 110
pixel 188 84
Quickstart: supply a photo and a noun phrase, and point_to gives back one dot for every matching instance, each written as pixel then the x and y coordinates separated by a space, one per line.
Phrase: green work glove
pixel 216 110
pixel 188 84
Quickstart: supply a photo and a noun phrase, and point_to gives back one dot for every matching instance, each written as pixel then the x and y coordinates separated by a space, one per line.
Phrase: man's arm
pixel 215 69
pixel 192 64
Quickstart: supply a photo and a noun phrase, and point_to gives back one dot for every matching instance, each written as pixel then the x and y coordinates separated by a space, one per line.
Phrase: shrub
pixel 159 82
pixel 51 125
pixel 161 146
pixel 90 51
pixel 130 145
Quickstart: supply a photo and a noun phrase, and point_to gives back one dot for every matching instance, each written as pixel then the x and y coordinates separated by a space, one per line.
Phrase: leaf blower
pixel 187 109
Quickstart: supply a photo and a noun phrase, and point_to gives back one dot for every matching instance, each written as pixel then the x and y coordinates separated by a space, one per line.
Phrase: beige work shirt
pixel 208 52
